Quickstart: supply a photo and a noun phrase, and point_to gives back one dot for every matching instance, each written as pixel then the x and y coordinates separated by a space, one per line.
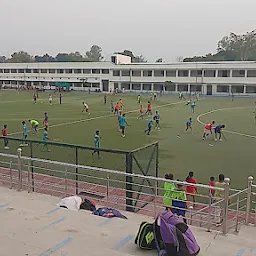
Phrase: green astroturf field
pixel 188 152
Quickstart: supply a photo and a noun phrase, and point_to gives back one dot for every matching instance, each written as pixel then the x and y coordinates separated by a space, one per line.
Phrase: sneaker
pixel 215 139
pixel 123 135
pixel 6 148
pixel 220 139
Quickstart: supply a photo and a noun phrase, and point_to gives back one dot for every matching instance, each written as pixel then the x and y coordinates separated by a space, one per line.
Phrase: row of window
pixel 144 86
pixel 57 71
pixel 138 73
pixel 185 73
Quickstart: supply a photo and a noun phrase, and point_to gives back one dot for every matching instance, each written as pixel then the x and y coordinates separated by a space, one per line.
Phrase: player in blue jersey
pixel 45 139
pixel 123 123
pixel 157 120
pixel 150 124
pixel 218 131
pixel 193 105
pixel 25 132
pixel 97 143
pixel 189 124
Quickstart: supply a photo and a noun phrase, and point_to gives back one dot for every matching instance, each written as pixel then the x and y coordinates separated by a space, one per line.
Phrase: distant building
pixel 212 78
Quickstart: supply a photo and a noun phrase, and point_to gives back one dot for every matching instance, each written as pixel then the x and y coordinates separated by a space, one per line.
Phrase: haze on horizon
pixel 163 28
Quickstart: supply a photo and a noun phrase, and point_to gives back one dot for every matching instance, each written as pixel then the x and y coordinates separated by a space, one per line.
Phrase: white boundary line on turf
pixel 97 117
pixel 227 131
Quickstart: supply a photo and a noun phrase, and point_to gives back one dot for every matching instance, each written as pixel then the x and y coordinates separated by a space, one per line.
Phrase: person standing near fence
pixel 219 195
pixel 25 132
pixel 191 190
pixel 5 134
pixel 45 139
pixel 97 143
pixel 169 190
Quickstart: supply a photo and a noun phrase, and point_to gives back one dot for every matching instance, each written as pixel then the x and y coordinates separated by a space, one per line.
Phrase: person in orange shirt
pixel 191 189
pixel 116 109
pixel 141 112
pixel 149 109
pixel 208 129
pixel 5 134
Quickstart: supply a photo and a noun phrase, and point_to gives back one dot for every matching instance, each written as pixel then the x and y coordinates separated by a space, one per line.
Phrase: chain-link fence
pixel 143 161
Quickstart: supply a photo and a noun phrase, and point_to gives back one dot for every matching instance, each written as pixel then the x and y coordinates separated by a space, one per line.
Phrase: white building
pixel 207 77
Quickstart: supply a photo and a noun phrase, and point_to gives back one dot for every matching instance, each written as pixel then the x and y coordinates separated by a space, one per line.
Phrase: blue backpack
pixel 108 213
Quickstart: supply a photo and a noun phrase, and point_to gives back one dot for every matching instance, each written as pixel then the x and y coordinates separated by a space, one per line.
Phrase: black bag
pixel 145 238
pixel 88 205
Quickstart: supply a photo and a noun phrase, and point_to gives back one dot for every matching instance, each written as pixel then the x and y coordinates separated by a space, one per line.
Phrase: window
pixel 68 71
pixel 238 73
pixel 222 88
pixel 171 73
pixel 35 83
pixel 78 71
pixel 209 73
pixel 60 71
pixel 223 73
pixel 182 87
pixel 125 72
pixel 14 82
pixel 35 71
pixel 183 73
pixel 96 85
pixel 196 73
pixel 51 71
pixel 1 71
pixel 170 87
pixel 237 88
pixel 146 87
pixel 251 73
pixel 126 86
pixel 158 87
pixel 159 73
pixel 20 70
pixel 43 71
pixel 105 71
pixel 6 70
pixel 87 71
pixel 136 87
pixel 13 70
pixel 251 89
pixel 116 72
pixel 96 71
pixel 28 70
pixel 52 83
pixel 136 72
pixel 195 88
pixel 147 73
pixel 28 83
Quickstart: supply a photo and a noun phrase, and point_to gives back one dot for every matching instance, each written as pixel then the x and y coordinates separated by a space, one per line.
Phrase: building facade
pixel 210 78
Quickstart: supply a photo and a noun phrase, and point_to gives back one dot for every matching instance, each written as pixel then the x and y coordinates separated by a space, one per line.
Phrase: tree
pixel 135 59
pixel 243 46
pixel 45 58
pixel 21 57
pixel 179 59
pixel 62 57
pixel 75 57
pixel 94 54
pixel 159 60
pixel 232 48
pixel 2 59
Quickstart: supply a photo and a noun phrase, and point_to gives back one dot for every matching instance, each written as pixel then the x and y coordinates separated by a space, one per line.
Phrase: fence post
pixel 225 207
pixel 29 181
pixel 155 200
pixel 248 203
pixel 209 213
pixel 19 169
pixel 76 171
pixel 157 165
pixel 32 168
pixel 11 174
pixel 108 191
pixel 129 180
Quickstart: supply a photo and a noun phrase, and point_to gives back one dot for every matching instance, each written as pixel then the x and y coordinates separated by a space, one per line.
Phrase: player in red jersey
pixel 208 129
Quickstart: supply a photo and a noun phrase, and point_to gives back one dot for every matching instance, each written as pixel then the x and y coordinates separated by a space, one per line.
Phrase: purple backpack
pixel 177 236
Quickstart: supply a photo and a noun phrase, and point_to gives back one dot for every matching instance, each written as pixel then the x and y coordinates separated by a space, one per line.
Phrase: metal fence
pixel 143 160
pixel 114 189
